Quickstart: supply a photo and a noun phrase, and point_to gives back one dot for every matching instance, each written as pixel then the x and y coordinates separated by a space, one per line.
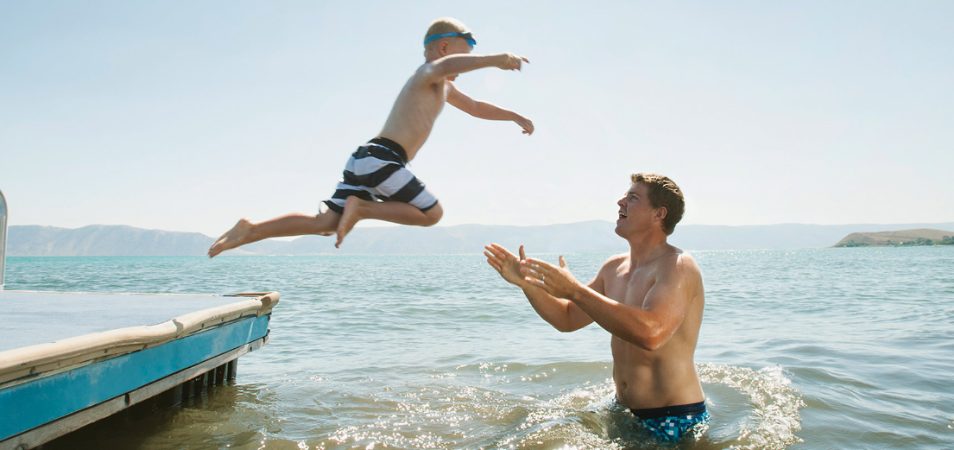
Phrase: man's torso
pixel 667 375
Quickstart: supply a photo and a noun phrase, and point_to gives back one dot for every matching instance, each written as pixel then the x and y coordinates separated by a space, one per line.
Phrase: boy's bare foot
pixel 232 238
pixel 350 216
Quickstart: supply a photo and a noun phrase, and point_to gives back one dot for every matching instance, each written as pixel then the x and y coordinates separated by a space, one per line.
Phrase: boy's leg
pixel 392 211
pixel 296 224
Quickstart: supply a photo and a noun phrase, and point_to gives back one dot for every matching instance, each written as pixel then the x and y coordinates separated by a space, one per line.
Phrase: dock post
pixel 232 369
pixel 198 384
pixel 177 397
pixel 220 374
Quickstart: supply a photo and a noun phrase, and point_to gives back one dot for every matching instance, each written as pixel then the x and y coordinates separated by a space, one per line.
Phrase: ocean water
pixel 807 349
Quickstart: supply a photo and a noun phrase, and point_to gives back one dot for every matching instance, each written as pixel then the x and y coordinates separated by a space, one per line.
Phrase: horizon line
pixel 950 222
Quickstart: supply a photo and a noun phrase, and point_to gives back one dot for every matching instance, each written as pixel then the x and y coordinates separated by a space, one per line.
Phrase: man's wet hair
pixel 663 192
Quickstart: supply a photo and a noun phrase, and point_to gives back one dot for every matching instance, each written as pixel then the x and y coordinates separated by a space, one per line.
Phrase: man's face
pixel 635 211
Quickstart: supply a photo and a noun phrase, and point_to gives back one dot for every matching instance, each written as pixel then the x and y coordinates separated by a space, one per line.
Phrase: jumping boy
pixel 376 184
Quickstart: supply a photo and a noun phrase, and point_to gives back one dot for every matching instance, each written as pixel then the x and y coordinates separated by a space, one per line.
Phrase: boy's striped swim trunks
pixel 376 171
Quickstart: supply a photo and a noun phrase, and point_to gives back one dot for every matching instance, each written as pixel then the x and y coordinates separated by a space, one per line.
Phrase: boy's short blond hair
pixel 446 25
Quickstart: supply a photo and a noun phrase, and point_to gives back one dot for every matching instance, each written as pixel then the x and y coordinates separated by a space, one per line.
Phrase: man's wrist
pixel 574 296
pixel 577 294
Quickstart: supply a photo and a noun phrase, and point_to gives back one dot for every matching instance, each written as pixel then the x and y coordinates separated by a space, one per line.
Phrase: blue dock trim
pixel 33 403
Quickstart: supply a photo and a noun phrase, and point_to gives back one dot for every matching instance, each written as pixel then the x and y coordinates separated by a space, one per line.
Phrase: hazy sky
pixel 188 115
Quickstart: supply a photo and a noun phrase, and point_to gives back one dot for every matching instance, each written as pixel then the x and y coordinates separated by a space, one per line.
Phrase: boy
pixel 376 184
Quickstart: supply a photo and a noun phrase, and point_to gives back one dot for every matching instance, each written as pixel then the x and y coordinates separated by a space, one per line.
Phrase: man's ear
pixel 661 213
pixel 443 48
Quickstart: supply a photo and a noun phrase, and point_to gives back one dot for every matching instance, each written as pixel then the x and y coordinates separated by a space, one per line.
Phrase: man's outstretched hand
pixel 505 263
pixel 557 281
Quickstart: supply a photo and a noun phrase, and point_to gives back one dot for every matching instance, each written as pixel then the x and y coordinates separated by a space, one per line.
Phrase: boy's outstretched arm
pixel 451 65
pixel 484 110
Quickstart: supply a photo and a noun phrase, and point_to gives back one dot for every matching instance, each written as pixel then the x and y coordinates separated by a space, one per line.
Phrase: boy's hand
pixel 524 123
pixel 509 61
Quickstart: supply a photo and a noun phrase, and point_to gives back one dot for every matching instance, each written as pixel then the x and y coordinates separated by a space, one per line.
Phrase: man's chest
pixel 630 288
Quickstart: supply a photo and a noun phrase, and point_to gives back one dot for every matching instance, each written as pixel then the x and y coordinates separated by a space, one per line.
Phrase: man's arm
pixel 484 110
pixel 649 326
pixel 460 63
pixel 561 313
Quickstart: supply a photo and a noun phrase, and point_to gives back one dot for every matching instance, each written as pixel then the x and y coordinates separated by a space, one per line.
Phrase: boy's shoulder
pixel 426 69
pixel 424 73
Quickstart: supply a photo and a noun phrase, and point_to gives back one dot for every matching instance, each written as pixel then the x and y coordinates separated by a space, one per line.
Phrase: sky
pixel 186 116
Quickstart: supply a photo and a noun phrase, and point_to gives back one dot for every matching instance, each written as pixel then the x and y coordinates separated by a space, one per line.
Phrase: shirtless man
pixel 375 183
pixel 651 300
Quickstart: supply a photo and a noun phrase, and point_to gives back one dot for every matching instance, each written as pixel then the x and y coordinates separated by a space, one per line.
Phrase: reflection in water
pixel 226 415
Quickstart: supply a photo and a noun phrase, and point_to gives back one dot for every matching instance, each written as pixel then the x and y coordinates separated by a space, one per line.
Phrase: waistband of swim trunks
pixel 390 145
pixel 675 410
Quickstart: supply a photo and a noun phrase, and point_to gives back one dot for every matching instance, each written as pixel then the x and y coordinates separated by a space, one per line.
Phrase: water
pixel 808 349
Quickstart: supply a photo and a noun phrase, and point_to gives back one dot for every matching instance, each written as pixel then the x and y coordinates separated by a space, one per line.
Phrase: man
pixel 651 300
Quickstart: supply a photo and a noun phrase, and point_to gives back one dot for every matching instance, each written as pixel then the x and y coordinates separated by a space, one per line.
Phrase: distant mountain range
pixel 102 240
pixel 581 237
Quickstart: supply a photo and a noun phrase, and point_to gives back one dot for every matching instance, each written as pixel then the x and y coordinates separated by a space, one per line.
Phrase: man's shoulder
pixel 684 258
pixel 681 263
pixel 616 259
pixel 614 262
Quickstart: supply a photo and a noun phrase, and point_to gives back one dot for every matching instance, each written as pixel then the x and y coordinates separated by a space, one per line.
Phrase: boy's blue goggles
pixel 466 36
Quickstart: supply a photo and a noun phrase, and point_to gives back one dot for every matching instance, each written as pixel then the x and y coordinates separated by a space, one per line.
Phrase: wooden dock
pixel 70 359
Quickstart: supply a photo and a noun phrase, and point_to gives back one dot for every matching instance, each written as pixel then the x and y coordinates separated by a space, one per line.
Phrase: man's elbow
pixel 653 344
pixel 568 326
pixel 560 325
pixel 649 340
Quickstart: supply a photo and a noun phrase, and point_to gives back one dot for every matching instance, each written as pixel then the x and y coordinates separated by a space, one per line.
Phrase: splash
pixel 589 417
pixel 574 420
pixel 775 416
pixel 518 406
